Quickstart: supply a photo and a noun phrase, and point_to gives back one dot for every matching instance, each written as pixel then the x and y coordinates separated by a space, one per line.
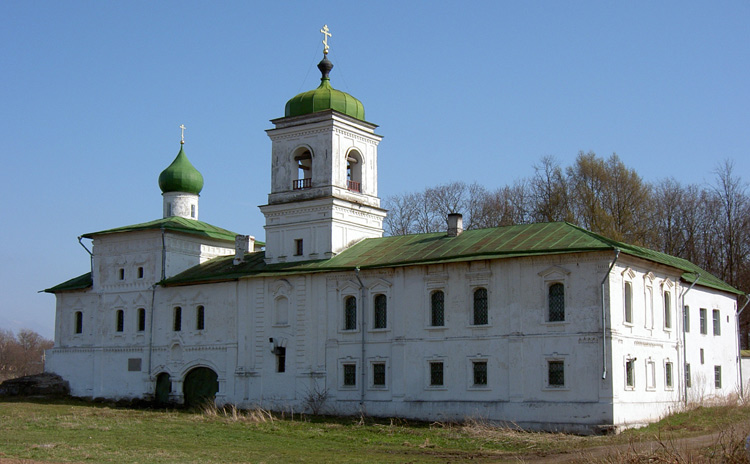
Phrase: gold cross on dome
pixel 182 126
pixel 326 35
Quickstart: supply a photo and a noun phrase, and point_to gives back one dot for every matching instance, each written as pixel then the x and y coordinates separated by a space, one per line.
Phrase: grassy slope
pixel 80 432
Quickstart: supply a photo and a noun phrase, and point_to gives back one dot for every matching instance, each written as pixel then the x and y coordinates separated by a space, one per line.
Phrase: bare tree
pixel 21 354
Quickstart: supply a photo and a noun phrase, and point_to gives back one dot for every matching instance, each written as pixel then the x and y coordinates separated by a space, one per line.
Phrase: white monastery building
pixel 549 326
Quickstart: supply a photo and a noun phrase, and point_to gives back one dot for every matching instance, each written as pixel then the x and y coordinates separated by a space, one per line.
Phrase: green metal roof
pixel 181 176
pixel 495 243
pixel 81 282
pixel 324 98
pixel 174 224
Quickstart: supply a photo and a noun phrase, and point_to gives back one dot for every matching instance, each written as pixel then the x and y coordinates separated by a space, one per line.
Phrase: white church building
pixel 548 325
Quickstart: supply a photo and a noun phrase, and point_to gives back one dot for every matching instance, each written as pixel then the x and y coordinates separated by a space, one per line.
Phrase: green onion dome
pixel 324 98
pixel 181 176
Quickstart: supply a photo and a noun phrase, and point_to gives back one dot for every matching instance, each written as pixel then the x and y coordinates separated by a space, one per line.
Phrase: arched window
pixel 120 320
pixel 481 316
pixel 380 316
pixel 556 303
pixel 304 170
pixel 79 322
pixel 350 313
pixel 437 309
pixel 628 302
pixel 281 311
pixel 141 319
pixel 200 318
pixel 667 310
pixel 354 171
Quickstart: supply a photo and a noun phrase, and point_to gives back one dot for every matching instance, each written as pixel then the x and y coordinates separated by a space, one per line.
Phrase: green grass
pixel 74 431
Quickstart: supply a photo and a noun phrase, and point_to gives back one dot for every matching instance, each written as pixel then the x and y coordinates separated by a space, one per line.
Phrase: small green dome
pixel 181 176
pixel 324 98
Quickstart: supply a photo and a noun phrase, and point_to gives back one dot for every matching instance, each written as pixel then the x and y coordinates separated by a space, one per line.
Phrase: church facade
pixel 548 326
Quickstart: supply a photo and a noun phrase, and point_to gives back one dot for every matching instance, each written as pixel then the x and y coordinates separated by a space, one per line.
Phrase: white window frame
pixel 371 371
pixel 470 372
pixel 357 373
pixel 428 372
pixel 566 373
pixel 550 276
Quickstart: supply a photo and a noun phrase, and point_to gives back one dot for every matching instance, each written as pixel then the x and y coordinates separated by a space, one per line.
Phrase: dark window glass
pixel 350 313
pixel 556 302
pixel 120 320
pixel 200 318
pixel 480 372
pixel 280 359
pixel 688 383
pixel 140 272
pixel 667 310
pixel 177 319
pixel 628 302
pixel 350 375
pixel 436 374
pixel 380 315
pixel 378 374
pixel 702 313
pixel 437 316
pixel 141 319
pixel 686 318
pixel 480 307
pixel 79 322
pixel 556 373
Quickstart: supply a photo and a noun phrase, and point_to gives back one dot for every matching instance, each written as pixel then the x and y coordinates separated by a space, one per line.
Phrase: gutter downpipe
pixel 153 297
pixel 684 336
pixel 739 344
pixel 91 256
pixel 604 317
pixel 364 318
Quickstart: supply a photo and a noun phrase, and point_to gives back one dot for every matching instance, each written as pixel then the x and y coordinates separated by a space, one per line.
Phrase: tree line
pixel 708 225
pixel 22 353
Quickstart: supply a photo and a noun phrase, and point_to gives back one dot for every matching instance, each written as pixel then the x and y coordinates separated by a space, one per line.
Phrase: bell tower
pixel 324 195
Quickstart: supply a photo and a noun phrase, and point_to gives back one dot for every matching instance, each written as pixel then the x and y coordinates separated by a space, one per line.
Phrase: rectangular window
pixel 200 318
pixel 121 274
pixel 555 374
pixel 436 374
pixel 437 309
pixel 140 272
pixel 378 374
pixel 192 211
pixel 702 358
pixel 717 376
pixel 141 319
pixel 667 311
pixel 280 358
pixel 668 374
pixel 717 322
pixel 686 318
pixel 628 302
pixel 480 373
pixel 688 382
pixel 120 324
pixel 380 311
pixel 650 375
pixel 298 247
pixel 481 316
pixel 134 364
pixel 177 319
pixel 630 373
pixel 350 375
pixel 702 313
pixel 79 322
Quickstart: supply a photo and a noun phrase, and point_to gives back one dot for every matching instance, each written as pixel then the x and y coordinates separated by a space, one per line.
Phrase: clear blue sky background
pixel 92 94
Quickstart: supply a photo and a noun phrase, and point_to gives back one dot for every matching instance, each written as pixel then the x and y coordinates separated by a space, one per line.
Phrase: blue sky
pixel 92 94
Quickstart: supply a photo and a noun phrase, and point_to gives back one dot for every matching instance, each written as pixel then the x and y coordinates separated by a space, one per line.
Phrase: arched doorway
pixel 200 386
pixel 163 388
